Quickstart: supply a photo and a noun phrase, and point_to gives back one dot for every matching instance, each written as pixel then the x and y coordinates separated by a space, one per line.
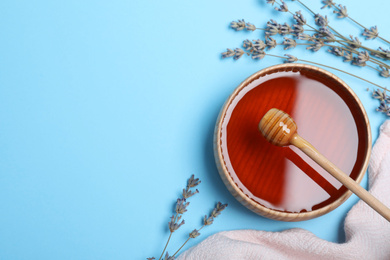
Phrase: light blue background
pixel 107 107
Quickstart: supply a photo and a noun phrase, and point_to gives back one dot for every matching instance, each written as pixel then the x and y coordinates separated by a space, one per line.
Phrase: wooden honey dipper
pixel 281 130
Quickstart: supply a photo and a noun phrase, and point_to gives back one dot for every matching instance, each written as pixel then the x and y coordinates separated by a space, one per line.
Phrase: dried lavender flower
pixel 348 56
pixel 363 56
pixel 258 45
pixel 195 233
pixel 371 33
pixel 381 95
pixel 257 50
pixel 167 257
pixel 326 33
pixel 289 43
pixel 384 108
pixel 270 42
pixel 341 11
pixel 228 53
pixel 239 25
pixel 215 213
pixel 315 46
pixel 247 45
pixel 385 72
pixel 336 51
pixel 208 220
pixel 355 42
pixel 282 8
pixel 290 58
pixel 284 29
pixel 305 37
pixel 321 20
pixel 173 225
pixel 299 18
pixel 357 62
pixel 271 2
pixel 187 193
pixel 272 28
pixel 327 3
pixel 238 53
pixel 386 53
pixel 297 29
pixel 258 55
pixel 250 27
pixel 192 182
pixel 218 209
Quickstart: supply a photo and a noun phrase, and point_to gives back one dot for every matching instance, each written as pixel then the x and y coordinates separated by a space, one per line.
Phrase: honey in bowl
pixel 283 179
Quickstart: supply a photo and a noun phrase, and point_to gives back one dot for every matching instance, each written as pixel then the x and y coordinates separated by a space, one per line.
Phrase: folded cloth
pixel 367 233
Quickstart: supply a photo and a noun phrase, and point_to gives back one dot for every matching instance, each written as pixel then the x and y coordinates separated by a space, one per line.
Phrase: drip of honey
pixel 284 178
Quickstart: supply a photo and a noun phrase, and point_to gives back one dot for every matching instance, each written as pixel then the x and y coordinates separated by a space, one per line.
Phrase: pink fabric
pixel 367 233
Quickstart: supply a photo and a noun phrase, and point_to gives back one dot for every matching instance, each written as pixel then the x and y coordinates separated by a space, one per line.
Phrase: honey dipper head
pixel 277 127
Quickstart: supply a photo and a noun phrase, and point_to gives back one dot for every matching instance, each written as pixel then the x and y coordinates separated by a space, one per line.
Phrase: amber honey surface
pixel 283 178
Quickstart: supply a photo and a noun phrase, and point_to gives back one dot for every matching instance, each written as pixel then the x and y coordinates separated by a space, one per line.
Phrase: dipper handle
pixel 347 181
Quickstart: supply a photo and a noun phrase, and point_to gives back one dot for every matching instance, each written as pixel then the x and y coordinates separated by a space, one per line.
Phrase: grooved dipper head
pixel 277 127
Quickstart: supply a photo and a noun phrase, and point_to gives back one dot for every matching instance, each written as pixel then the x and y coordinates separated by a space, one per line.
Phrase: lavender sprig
pixel 325 34
pixel 208 220
pixel 181 207
pixel 272 27
pixel 369 33
pixel 324 37
pixel 241 25
pixel 350 49
pixel 342 11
